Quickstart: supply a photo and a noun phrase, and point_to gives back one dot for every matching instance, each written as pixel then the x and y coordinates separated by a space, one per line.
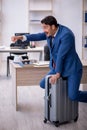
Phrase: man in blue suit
pixel 64 60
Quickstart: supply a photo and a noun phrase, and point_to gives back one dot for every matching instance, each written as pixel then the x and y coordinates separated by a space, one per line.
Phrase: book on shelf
pixel 33 20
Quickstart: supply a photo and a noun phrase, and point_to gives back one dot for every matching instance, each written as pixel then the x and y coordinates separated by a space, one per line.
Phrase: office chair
pixel 46 53
pixel 24 54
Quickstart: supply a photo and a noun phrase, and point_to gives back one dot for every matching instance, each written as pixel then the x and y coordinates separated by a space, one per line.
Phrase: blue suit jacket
pixel 63 51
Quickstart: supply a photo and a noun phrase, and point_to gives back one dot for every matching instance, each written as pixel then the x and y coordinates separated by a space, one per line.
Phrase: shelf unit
pixel 84 30
pixel 38 9
pixel 0 17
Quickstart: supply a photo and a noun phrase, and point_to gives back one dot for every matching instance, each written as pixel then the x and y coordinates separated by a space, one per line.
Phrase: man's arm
pixel 15 38
pixel 30 37
pixel 66 44
pixel 36 37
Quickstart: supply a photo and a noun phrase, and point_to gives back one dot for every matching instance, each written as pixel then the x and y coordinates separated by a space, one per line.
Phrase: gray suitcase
pixel 58 107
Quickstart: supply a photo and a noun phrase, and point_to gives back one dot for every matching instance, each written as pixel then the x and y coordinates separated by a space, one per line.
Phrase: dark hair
pixel 49 20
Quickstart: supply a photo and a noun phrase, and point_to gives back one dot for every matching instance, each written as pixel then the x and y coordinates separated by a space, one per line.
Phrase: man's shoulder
pixel 64 27
pixel 65 30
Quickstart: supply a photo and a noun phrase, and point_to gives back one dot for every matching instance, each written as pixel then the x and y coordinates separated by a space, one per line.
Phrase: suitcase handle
pixel 50 105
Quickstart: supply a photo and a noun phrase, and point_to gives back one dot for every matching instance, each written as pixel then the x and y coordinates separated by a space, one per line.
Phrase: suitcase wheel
pixel 75 120
pixel 56 123
pixel 45 120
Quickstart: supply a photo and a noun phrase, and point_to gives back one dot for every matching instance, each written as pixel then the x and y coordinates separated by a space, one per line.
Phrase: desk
pixel 30 75
pixel 25 76
pixel 36 49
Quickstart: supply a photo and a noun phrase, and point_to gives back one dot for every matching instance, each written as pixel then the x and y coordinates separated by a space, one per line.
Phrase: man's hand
pixel 54 78
pixel 15 38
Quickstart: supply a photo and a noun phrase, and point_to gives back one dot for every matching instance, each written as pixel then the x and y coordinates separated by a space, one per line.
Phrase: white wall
pixel 14 19
pixel 67 12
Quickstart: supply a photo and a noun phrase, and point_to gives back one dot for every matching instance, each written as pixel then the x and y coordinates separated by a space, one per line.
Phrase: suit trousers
pixel 73 86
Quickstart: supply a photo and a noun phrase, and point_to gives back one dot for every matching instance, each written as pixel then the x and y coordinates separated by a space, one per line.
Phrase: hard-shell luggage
pixel 58 107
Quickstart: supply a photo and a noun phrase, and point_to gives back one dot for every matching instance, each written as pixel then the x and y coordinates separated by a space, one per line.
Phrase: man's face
pixel 49 30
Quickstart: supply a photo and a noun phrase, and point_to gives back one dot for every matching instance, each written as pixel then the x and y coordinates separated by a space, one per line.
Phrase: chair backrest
pixel 46 53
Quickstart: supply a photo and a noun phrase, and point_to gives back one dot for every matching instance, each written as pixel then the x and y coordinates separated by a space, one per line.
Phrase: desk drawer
pixel 30 76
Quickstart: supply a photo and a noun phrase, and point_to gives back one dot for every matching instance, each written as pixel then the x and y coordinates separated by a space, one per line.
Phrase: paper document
pixel 41 63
